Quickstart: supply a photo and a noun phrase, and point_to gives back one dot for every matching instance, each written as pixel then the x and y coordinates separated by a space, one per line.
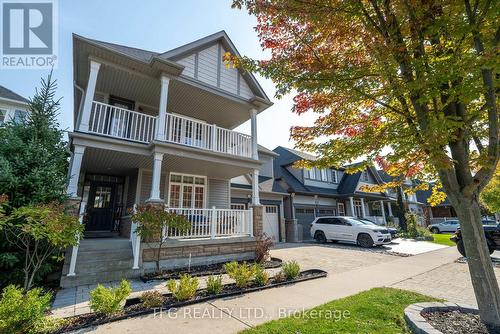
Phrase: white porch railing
pixel 194 133
pixel 136 242
pixel 214 223
pixel 74 253
pixel 121 123
pixel 379 220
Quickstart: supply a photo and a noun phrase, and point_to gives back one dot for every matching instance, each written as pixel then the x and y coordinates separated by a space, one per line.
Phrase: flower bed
pixel 205 270
pixel 133 306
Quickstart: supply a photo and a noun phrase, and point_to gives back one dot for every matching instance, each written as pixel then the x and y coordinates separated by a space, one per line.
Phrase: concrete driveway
pixel 350 271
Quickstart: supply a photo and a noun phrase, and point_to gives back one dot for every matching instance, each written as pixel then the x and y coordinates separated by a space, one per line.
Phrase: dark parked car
pixel 492 233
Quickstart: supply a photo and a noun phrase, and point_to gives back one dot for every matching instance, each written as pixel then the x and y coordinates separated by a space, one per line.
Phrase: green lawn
pixel 378 310
pixel 443 239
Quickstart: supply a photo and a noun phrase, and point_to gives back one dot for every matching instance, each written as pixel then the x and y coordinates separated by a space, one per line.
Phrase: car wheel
pixel 435 230
pixel 365 241
pixel 460 247
pixel 320 237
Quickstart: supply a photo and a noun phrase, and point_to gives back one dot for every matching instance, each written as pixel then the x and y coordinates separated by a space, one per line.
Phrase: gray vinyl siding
pixel 228 76
pixel 188 63
pixel 145 192
pixel 207 65
pixel 267 167
pixel 219 194
pixel 132 187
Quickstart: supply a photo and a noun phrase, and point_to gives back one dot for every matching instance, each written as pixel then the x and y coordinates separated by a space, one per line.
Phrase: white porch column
pixel 390 209
pixel 383 210
pixel 155 183
pixel 255 187
pixel 162 113
pixel 363 212
pixel 74 170
pixel 253 117
pixel 89 96
pixel 351 202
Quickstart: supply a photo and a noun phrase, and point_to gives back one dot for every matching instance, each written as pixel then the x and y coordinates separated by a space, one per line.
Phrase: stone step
pixel 98 277
pixel 101 265
pixel 104 244
pixel 106 254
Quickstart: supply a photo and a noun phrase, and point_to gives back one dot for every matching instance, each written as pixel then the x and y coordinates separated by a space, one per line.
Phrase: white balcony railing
pixel 195 133
pixel 126 124
pixel 214 223
pixel 121 123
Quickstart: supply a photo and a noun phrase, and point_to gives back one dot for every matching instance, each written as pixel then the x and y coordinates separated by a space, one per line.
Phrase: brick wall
pixel 258 227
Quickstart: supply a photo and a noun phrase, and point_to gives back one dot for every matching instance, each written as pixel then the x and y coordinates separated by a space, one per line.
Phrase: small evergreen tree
pixel 33 170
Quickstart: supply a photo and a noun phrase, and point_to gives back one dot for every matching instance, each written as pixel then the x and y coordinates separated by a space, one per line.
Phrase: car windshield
pixel 366 222
pixel 489 222
pixel 354 221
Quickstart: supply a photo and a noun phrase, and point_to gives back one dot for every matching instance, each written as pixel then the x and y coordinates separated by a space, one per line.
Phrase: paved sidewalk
pixel 234 314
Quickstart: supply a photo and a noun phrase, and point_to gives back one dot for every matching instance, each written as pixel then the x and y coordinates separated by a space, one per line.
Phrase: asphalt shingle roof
pixel 8 94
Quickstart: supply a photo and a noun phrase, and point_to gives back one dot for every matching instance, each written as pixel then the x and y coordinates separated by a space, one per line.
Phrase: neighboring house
pixel 411 200
pixel 158 128
pixel 319 192
pixel 13 107
pixel 437 213
pixel 270 194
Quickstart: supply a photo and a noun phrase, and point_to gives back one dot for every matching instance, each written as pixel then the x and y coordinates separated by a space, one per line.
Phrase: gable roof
pixel 7 94
pixel 171 56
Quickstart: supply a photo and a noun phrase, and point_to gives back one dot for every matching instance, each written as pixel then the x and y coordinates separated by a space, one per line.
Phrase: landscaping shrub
pixel 242 273
pixel 23 313
pixel 261 276
pixel 291 270
pixel 109 300
pixel 279 277
pixel 262 247
pixel 152 299
pixel 214 284
pixel 185 289
pixel 413 230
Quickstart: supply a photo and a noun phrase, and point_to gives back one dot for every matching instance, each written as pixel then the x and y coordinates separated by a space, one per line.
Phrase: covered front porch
pixel 373 207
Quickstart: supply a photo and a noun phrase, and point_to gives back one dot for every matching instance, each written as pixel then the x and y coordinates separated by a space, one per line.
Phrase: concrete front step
pixel 98 277
pixel 100 261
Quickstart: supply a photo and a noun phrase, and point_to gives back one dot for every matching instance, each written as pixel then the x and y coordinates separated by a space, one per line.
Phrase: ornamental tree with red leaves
pixel 412 83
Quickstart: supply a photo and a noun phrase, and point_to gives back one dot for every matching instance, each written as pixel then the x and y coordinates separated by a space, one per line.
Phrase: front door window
pixel 187 191
pixel 357 208
pixel 102 197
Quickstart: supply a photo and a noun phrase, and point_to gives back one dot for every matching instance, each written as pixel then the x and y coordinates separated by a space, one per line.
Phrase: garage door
pixel 271 222
pixel 304 217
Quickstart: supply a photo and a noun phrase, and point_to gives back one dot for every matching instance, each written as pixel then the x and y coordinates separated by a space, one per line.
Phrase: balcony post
pixel 253 117
pixel 74 170
pixel 255 187
pixel 89 96
pixel 162 111
pixel 363 212
pixel 155 182
pixel 383 210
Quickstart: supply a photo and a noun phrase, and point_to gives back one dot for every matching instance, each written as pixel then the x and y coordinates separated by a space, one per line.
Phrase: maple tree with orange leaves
pixel 410 84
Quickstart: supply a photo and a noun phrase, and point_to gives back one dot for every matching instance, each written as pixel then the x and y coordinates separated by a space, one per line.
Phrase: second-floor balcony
pixel 112 121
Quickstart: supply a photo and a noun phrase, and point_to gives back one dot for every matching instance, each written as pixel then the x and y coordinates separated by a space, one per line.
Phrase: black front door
pixel 101 207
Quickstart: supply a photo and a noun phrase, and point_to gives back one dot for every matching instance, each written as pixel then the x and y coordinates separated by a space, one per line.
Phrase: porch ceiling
pixel 111 162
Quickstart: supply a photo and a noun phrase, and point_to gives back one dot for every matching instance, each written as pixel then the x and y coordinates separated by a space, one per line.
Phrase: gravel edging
pixel 419 325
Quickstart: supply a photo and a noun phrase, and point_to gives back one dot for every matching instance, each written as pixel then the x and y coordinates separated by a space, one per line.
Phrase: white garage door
pixel 271 222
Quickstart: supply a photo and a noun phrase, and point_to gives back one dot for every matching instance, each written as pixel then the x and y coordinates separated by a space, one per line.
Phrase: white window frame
pixel 341 209
pixel 181 191
pixel 324 175
pixel 238 206
pixel 358 208
pixel 364 176
pixel 6 115
pixel 335 176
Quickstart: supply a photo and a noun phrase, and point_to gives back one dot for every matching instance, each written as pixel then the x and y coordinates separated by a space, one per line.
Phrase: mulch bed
pixel 205 270
pixel 133 306
pixel 456 322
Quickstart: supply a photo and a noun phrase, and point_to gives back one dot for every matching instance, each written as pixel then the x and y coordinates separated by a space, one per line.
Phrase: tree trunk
pixel 478 258
pixel 401 209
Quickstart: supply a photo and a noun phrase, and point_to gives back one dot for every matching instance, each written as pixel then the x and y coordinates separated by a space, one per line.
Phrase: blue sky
pixel 156 26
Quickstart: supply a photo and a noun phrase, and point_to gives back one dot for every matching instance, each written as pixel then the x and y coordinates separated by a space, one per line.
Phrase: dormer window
pixel 364 176
pixel 335 176
pixel 324 175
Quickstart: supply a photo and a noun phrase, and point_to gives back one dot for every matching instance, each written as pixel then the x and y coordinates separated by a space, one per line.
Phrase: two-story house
pixel 319 192
pixel 158 127
pixel 13 107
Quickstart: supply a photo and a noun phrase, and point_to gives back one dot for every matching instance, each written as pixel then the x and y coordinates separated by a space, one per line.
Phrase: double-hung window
pixel 335 176
pixel 3 116
pixel 324 175
pixel 19 116
pixel 187 191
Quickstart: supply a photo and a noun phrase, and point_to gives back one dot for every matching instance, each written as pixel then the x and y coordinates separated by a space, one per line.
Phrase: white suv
pixel 350 229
